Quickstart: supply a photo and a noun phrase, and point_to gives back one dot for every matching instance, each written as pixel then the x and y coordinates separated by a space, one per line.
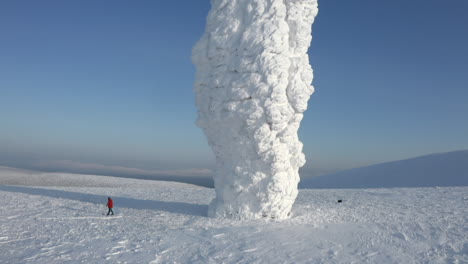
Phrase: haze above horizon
pixel 110 83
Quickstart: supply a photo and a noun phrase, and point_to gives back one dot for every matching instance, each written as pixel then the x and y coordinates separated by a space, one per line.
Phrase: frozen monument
pixel 253 81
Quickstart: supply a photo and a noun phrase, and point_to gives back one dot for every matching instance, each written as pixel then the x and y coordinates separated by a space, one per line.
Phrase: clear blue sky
pixel 110 82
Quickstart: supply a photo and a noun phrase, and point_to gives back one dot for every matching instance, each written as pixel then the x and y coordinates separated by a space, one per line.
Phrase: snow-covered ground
pixel 164 222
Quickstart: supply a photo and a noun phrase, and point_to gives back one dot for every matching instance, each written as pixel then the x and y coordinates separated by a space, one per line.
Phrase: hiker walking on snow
pixel 110 205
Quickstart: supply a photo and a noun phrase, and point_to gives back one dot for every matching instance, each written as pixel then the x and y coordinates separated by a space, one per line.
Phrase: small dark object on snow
pixel 340 201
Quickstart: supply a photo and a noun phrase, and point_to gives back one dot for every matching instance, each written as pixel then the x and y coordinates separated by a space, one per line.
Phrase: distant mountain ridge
pixel 440 169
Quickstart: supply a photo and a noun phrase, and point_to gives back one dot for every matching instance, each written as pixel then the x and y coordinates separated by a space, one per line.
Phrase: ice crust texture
pixel 253 81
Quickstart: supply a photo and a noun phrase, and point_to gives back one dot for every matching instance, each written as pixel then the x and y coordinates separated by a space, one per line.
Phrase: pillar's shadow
pixel 123 202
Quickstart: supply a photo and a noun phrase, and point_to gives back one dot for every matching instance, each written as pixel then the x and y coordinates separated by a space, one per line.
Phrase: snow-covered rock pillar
pixel 253 81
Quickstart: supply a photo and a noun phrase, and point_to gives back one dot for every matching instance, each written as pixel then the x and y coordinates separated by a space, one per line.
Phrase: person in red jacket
pixel 110 205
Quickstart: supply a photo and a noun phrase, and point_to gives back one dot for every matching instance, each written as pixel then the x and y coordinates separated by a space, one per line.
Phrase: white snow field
pixel 165 222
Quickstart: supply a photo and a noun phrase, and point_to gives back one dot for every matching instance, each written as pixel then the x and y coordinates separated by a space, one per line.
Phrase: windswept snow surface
pixel 164 222
pixel 252 85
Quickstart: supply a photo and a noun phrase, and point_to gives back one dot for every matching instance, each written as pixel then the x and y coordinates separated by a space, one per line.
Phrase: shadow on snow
pixel 121 202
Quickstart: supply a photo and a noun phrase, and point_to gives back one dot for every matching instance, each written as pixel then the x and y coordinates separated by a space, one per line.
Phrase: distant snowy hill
pixel 32 177
pixel 442 169
pixel 21 177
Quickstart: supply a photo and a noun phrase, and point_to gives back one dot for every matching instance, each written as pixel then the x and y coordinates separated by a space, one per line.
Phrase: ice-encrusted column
pixel 253 81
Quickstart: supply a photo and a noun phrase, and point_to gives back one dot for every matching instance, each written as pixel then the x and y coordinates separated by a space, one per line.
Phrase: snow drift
pixel 442 169
pixel 252 85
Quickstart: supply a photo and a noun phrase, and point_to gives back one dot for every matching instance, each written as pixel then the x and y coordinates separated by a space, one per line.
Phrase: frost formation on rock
pixel 253 81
